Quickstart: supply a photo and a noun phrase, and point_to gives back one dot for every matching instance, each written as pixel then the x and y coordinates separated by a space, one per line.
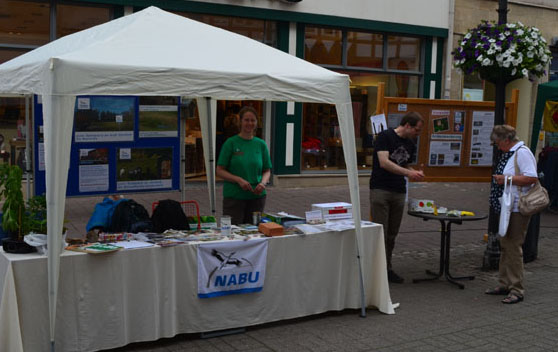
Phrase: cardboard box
pixel 335 211
pixel 271 229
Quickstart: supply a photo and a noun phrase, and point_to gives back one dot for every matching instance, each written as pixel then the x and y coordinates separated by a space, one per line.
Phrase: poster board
pixel 454 145
pixel 120 144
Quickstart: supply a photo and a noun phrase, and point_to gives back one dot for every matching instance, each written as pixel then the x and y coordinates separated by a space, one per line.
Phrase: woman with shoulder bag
pixel 517 166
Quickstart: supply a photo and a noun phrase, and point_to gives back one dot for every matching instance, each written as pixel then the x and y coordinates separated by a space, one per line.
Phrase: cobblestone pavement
pixel 433 316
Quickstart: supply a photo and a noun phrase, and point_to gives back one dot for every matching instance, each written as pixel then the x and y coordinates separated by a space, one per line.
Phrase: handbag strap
pixel 517 171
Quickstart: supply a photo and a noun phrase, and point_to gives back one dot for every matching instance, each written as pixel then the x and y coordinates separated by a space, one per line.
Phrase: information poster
pixel 444 153
pixel 93 170
pixel 394 120
pixel 104 119
pixel 481 148
pixel 440 121
pixel 158 121
pixel 143 168
pixel 458 121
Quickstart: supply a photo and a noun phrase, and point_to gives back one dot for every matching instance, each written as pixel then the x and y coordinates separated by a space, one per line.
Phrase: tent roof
pixel 153 52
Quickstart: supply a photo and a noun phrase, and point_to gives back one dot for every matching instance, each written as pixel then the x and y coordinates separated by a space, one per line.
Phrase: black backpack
pixel 130 216
pixel 169 215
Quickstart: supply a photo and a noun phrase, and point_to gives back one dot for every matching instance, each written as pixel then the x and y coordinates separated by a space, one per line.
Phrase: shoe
pixel 512 299
pixel 497 291
pixel 394 278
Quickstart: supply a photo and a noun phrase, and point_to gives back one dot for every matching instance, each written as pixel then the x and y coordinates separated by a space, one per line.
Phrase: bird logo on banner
pixel 550 116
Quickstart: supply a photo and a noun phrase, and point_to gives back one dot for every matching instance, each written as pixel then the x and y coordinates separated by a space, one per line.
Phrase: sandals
pixel 512 299
pixel 502 291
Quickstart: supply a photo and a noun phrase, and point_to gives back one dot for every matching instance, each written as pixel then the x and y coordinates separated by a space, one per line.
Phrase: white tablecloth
pixel 110 300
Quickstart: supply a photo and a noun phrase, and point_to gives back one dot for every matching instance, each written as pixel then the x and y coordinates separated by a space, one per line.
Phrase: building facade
pixel 401 43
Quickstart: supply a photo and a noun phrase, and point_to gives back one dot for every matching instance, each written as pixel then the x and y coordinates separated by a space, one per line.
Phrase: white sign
pixel 378 123
pixel 231 267
pixel 83 103
pixel 481 150
pixel 125 153
pixel 445 153
pixel 401 107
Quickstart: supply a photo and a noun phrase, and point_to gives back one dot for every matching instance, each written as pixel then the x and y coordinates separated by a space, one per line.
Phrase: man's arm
pixel 388 165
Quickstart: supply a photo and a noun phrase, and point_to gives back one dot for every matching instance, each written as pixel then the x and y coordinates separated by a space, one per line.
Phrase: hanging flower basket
pixel 502 52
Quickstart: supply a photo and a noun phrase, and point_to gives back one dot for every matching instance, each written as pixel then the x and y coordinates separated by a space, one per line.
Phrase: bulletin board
pixel 454 145
pixel 120 144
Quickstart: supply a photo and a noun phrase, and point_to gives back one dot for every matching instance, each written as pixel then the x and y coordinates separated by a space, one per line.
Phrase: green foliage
pixel 502 52
pixel 19 217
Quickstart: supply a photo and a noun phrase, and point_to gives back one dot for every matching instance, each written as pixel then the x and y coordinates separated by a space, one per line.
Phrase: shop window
pixel 12 129
pixel 323 45
pixel 71 19
pixel 553 74
pixel 403 53
pixel 365 49
pixel 24 22
pixel 227 125
pixel 321 138
pixel 260 30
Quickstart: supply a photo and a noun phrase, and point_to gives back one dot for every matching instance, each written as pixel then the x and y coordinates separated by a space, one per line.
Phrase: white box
pixel 334 211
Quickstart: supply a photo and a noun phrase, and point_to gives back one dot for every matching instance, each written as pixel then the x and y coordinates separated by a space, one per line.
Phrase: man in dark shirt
pixel 393 151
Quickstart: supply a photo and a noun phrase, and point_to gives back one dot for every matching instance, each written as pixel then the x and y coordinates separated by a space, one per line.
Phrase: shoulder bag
pixel 534 200
pixel 506 203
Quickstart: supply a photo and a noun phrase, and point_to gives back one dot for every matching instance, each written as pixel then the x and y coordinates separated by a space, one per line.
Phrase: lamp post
pixel 492 252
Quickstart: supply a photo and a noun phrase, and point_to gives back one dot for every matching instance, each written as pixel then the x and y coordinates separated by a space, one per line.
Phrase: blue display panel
pixel 120 144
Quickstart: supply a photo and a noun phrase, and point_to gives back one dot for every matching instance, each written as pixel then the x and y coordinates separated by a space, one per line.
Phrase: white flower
pixel 499 57
pixel 468 35
pixel 519 32
pixel 490 51
pixel 486 62
pixel 525 72
pixel 480 58
pixel 514 71
pixel 530 54
pixel 492 40
pixel 534 35
pixel 511 25
pixel 539 67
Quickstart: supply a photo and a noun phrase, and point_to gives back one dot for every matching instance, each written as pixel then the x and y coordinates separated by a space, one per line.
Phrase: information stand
pixel 454 145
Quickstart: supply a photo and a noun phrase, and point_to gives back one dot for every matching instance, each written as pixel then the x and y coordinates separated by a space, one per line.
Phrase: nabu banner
pixel 226 268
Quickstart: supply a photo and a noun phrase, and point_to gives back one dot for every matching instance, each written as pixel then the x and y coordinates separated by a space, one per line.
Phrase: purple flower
pixel 477 53
pixel 486 46
pixel 499 43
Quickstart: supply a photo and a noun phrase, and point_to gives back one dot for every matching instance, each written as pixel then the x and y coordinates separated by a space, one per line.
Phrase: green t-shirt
pixel 247 159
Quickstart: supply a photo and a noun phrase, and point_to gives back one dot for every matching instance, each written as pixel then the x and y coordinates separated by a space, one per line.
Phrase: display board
pixel 455 142
pixel 120 144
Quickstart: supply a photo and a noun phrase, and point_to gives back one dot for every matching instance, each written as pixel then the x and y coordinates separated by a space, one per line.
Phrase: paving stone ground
pixel 433 316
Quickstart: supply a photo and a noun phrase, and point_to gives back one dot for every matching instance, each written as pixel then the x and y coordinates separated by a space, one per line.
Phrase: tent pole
pixel 27 148
pixel 181 145
pixel 211 171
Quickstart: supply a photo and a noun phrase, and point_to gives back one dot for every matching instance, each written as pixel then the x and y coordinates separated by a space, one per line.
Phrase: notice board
pixel 454 145
pixel 120 144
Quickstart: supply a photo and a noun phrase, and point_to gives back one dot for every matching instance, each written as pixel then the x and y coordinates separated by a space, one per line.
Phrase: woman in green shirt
pixel 245 165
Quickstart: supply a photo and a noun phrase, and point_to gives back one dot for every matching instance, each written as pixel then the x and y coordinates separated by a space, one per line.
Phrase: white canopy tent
pixel 153 52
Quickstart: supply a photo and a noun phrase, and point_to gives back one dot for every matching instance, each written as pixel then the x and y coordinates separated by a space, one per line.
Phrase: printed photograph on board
pixel 158 117
pixel 143 168
pixel 93 170
pixel 441 124
pixel 104 119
